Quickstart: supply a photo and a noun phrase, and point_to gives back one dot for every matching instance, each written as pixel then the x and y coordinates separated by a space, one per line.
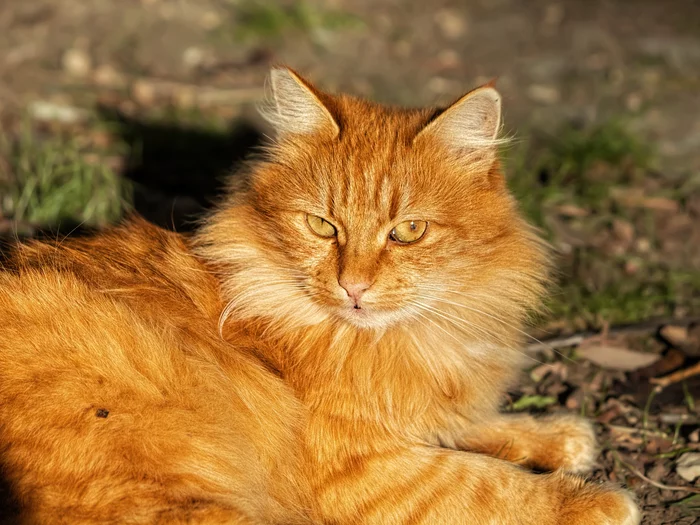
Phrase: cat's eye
pixel 408 231
pixel 320 227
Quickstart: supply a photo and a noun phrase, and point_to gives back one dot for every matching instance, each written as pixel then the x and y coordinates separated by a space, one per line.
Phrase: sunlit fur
pixel 244 385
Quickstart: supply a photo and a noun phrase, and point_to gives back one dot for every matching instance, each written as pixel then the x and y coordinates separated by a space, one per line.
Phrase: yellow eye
pixel 320 226
pixel 408 231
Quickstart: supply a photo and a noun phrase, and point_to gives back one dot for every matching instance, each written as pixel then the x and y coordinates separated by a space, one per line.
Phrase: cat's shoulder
pixel 135 255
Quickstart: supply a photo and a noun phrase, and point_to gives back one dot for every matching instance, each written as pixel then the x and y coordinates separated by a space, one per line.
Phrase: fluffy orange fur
pixel 236 377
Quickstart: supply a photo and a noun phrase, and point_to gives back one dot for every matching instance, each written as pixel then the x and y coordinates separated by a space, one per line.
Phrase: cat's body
pixel 330 348
pixel 119 401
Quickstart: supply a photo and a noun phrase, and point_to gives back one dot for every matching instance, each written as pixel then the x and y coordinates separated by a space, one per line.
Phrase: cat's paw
pixel 612 508
pixel 577 450
pixel 600 505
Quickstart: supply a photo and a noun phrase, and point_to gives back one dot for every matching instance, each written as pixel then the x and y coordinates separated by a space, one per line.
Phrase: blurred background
pixel 113 105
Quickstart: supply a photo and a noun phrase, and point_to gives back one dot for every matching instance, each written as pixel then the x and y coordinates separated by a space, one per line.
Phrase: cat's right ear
pixel 295 107
pixel 471 124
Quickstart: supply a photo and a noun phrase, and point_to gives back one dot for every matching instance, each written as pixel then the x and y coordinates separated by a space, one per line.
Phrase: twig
pixel 675 377
pixel 634 430
pixel 561 342
pixel 645 327
pixel 637 473
pixel 672 419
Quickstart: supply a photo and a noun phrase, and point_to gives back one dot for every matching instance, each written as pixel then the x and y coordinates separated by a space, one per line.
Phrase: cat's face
pixel 374 216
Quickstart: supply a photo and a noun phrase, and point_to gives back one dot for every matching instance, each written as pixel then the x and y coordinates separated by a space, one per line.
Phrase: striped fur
pixel 241 382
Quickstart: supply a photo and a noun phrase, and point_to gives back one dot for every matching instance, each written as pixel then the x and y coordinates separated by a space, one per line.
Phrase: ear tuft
pixel 473 122
pixel 294 106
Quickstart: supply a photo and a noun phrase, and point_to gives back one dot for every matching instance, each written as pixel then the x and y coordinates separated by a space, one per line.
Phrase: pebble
pixel 624 231
pixel 451 23
pixel 143 92
pixel 106 75
pixel 543 93
pixel 193 57
pixel 76 62
pixel 210 20
pixel 448 59
pixel 45 110
pixel 643 245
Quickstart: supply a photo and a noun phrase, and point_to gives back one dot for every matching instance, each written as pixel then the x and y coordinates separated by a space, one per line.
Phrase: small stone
pixel 448 59
pixel 643 245
pixel 634 101
pixel 543 93
pixel 143 92
pixel 624 231
pixel 185 97
pixel 106 75
pixel 451 23
pixel 45 110
pixel 439 85
pixel 76 62
pixel 193 57
pixel 694 436
pixel 210 20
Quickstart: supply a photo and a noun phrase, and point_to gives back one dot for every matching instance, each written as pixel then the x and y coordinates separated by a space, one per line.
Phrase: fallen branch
pixel 674 419
pixel 656 484
pixel 645 327
pixel 634 430
pixel 675 377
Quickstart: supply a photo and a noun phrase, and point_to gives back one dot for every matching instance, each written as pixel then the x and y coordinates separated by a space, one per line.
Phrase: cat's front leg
pixel 548 443
pixel 422 484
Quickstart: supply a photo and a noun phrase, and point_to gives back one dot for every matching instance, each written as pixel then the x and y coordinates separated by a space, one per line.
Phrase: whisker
pixel 453 318
pixel 443 314
pixel 495 318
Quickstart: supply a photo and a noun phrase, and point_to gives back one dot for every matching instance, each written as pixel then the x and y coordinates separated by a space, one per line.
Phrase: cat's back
pixel 119 398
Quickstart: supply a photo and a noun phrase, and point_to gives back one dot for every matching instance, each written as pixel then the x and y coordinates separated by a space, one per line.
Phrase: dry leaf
pixel 538 373
pixel 675 335
pixel 615 357
pixel 660 204
pixel 569 210
pixel 624 231
pixel 688 466
pixel 684 338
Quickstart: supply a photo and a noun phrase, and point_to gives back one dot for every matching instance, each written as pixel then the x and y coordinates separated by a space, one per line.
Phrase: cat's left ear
pixel 471 123
pixel 296 107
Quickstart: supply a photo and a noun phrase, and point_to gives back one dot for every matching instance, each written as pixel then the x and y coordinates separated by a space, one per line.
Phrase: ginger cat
pixel 330 348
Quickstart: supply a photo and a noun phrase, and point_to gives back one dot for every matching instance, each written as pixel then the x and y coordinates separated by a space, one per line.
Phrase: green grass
pixel 259 19
pixel 562 168
pixel 49 182
pixel 580 167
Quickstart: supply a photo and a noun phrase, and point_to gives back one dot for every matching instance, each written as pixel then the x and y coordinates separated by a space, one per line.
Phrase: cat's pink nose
pixel 354 289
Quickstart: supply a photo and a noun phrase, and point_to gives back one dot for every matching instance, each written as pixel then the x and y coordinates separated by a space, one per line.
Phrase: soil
pixel 152 67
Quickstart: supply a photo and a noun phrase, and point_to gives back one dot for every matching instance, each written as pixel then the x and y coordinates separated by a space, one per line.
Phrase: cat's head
pixel 368 215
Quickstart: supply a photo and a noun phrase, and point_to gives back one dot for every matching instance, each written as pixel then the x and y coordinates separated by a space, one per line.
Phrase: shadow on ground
pixel 9 508
pixel 178 171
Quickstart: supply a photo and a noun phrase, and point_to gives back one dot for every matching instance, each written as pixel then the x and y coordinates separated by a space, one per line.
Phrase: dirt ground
pixel 602 99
